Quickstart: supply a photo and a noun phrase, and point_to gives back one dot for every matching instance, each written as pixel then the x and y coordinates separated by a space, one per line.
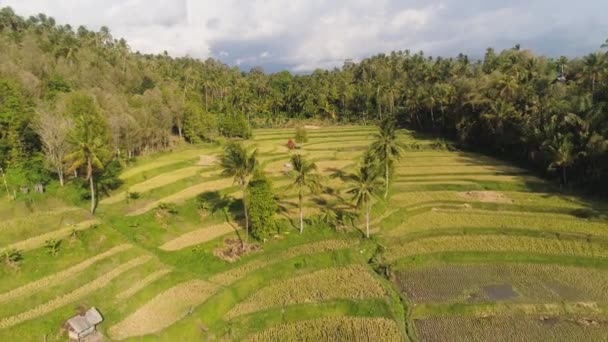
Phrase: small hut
pixel 83 327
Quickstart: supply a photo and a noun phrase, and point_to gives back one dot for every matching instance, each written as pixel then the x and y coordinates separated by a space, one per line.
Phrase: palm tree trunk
pixel 244 187
pixel 386 178
pixel 301 214
pixel 367 220
pixel 60 175
pixel 91 185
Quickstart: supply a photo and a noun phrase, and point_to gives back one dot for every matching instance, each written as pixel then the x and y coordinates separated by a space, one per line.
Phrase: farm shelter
pixel 82 327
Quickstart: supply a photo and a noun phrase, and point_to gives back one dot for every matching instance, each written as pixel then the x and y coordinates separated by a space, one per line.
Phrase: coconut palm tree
pixel 366 182
pixel 387 148
pixel 305 178
pixel 562 152
pixel 237 162
pixel 89 147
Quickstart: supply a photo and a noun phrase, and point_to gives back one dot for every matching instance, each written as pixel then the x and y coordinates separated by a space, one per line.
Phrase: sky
pixel 302 35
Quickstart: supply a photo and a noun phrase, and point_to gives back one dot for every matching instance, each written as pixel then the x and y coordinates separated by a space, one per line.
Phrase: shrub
pixel 171 208
pixel 301 135
pixel 133 195
pixel 52 246
pixel 235 126
pixel 12 257
pixel 261 206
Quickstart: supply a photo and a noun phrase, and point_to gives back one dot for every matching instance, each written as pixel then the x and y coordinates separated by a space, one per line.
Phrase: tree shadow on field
pixel 231 209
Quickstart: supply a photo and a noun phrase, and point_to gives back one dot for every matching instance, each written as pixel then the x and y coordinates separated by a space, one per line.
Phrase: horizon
pixel 323 35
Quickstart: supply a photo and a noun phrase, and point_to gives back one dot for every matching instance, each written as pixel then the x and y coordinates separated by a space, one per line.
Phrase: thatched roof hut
pixel 83 325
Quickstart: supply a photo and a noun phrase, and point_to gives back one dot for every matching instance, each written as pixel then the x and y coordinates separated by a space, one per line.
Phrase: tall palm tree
pixel 562 152
pixel 387 148
pixel 237 162
pixel 305 178
pixel 366 182
pixel 88 148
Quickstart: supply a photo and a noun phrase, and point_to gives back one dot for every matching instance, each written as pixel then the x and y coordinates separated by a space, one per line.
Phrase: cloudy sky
pixel 301 35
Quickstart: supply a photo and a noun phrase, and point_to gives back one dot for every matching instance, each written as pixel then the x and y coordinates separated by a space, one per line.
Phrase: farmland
pixel 465 248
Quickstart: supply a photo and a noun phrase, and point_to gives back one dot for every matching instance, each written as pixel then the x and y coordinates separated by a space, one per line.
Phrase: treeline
pixel 549 113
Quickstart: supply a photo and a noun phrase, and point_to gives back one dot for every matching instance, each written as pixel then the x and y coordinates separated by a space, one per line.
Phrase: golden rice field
pixel 465 248
pixel 334 329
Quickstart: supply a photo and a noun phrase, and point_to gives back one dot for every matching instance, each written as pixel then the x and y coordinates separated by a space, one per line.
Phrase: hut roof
pixel 81 323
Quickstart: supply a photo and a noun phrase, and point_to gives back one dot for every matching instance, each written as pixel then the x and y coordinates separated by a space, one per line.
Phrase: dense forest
pixel 77 104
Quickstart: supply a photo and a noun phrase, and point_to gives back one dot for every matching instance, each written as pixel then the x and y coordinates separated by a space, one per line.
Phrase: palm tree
pixel 89 147
pixel 562 152
pixel 305 177
pixel 237 162
pixel 366 183
pixel 387 148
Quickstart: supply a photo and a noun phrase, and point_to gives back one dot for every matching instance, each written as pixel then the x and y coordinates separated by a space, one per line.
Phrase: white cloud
pixel 306 34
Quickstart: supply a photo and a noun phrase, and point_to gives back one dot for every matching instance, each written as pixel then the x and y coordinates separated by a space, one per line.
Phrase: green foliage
pixel 261 206
pixel 234 126
pixel 53 246
pixel 12 257
pixel 108 179
pixel 170 208
pixel 56 84
pixel 199 126
pixel 133 195
pixel 301 136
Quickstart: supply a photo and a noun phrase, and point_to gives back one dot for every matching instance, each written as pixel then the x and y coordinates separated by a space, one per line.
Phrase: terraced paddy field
pixel 466 248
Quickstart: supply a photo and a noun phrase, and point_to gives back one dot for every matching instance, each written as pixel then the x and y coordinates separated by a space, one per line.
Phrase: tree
pixel 262 206
pixel 366 182
pixel 387 148
pixel 304 178
pixel 53 130
pixel 237 162
pixel 88 141
pixel 562 153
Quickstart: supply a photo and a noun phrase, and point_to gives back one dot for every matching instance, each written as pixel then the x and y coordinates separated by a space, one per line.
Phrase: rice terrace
pixel 396 197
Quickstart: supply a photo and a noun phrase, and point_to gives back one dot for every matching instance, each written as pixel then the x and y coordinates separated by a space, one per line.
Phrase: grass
pixel 532 283
pixel 163 310
pixel 499 243
pixel 334 329
pixel 72 296
pixel 56 278
pixel 242 326
pixel 351 282
pixel 198 236
pixel 509 328
pixel 455 223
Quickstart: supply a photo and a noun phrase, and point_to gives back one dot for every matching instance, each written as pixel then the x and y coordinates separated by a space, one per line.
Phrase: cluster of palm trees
pixel 371 175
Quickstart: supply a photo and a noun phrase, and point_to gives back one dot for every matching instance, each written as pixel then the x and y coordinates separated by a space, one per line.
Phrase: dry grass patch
pixel 206 160
pixel 142 283
pixel 75 295
pixel 59 277
pixel 197 237
pixel 351 282
pixel 163 310
pixel 38 241
pixel 485 196
pixel 497 243
pixel 333 329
